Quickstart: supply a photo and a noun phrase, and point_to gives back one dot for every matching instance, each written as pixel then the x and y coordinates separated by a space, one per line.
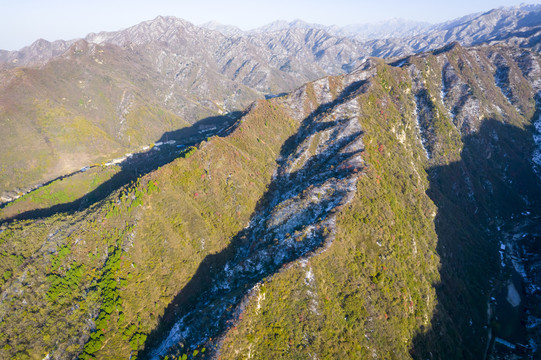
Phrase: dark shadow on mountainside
pixel 172 145
pixel 213 298
pixel 492 183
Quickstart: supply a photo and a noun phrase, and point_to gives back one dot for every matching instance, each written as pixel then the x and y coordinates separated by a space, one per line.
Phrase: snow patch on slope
pixel 536 156
pixel 297 222
pixel 420 132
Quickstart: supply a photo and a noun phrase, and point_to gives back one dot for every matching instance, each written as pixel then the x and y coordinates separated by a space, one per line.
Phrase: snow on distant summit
pixel 392 28
pixel 228 30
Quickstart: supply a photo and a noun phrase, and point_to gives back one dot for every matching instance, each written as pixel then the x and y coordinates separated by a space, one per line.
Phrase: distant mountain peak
pixel 284 24
pixel 166 21
pixel 228 30
pixel 388 38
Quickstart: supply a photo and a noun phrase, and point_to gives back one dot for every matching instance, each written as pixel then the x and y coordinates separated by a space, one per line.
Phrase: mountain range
pixel 286 193
pixel 190 73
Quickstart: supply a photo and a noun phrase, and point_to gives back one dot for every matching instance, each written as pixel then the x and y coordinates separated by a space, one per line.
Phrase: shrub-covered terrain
pixel 358 216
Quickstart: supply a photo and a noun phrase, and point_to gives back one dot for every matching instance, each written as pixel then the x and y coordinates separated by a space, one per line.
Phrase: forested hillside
pixel 359 215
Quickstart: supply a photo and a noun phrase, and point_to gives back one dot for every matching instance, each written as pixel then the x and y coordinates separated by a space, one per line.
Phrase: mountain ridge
pixel 197 73
pixel 511 12
pixel 424 143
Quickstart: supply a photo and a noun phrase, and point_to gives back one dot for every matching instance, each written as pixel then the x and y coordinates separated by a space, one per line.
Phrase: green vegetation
pixel 371 291
pixel 108 283
pixel 75 112
pixel 60 191
pixel 124 259
pixel 62 287
pixel 102 283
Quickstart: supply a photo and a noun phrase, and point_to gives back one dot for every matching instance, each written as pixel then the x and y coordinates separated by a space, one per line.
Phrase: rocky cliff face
pixel 359 215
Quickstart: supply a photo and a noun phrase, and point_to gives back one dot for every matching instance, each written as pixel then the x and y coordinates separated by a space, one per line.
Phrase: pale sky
pixel 24 21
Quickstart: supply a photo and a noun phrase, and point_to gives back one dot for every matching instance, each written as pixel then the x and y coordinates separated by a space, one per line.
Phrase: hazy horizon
pixel 25 21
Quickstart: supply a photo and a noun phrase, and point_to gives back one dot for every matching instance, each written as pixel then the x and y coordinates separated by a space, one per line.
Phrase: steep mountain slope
pixel 93 104
pixel 357 216
pixel 117 92
pixel 359 298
